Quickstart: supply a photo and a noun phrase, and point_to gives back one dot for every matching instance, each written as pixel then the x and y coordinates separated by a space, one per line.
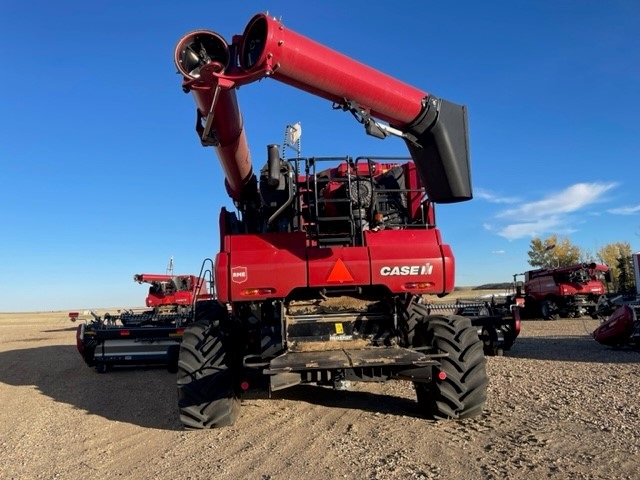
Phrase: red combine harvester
pixel 564 292
pixel 170 295
pixel 149 337
pixel 323 266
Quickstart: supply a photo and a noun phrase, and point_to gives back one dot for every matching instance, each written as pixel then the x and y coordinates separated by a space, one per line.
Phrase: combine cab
pixel 149 337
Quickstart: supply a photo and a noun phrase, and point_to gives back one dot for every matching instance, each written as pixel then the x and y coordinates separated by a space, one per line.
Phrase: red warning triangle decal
pixel 339 273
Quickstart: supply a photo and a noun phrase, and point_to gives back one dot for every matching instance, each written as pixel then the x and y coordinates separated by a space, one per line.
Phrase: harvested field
pixel 560 406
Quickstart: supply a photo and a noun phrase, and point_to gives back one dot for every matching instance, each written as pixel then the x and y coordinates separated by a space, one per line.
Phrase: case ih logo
pixel 404 270
pixel 239 274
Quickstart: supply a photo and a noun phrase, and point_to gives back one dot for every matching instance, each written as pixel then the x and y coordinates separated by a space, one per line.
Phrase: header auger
pixel 320 278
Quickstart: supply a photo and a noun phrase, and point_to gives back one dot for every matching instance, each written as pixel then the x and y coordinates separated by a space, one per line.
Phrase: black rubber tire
pixel 102 367
pixel 548 310
pixel 87 347
pixel 206 379
pixel 209 310
pixel 88 356
pixel 531 309
pixel 173 353
pixel 464 392
pixel 490 344
pixel 411 316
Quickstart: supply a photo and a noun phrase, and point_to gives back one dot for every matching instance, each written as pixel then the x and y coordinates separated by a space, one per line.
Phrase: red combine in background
pixel 565 292
pixel 170 295
pixel 325 263
pixel 147 337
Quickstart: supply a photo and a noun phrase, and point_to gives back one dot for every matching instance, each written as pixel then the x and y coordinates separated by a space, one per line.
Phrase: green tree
pixel 553 252
pixel 617 256
pixel 626 281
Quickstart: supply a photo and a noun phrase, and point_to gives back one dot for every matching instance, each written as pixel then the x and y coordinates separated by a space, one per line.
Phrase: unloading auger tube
pixel 434 130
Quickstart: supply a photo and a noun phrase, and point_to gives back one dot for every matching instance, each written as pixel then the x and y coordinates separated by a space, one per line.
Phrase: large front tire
pixel 463 393
pixel 549 310
pixel 207 393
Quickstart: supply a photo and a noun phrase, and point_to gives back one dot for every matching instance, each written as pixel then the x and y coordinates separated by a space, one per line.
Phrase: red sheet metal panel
pixel 222 277
pixel 403 257
pixel 338 266
pixel 264 266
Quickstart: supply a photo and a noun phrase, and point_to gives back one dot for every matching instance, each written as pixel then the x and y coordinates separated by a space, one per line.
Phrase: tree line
pixel 553 252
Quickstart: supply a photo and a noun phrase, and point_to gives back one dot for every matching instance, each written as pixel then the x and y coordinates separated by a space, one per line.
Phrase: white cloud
pixel 529 229
pixel 625 210
pixel 568 200
pixel 550 214
pixel 498 252
pixel 482 194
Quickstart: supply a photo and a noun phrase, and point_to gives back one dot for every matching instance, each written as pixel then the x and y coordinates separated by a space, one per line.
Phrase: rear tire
pixel 207 377
pixel 548 310
pixel 464 392
pixel 412 315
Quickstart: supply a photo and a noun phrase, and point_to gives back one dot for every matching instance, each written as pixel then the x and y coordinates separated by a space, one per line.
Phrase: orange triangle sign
pixel 339 273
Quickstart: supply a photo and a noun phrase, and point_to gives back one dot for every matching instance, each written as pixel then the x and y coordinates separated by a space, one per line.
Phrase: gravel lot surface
pixel 560 406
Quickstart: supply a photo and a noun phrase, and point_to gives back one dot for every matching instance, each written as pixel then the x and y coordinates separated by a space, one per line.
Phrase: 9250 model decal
pixel 405 270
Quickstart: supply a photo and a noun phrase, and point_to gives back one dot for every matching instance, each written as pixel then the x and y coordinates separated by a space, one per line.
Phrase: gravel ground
pixel 560 406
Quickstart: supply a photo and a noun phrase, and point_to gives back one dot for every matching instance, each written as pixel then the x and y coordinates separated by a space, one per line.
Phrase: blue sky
pixel 103 176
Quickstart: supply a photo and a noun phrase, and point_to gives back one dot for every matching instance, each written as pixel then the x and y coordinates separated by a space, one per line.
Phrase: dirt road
pixel 560 406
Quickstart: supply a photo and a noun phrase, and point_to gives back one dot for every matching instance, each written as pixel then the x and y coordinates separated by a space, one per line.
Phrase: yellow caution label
pixel 339 329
